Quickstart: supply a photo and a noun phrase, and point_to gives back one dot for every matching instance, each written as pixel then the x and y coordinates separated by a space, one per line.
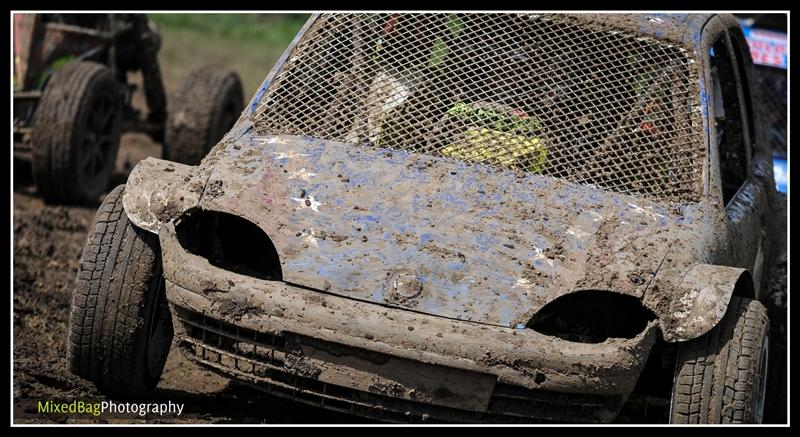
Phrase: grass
pixel 250 44
pixel 269 29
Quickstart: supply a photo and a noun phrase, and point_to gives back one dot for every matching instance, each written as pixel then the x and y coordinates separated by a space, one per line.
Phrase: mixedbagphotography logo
pixel 97 408
pixel 74 407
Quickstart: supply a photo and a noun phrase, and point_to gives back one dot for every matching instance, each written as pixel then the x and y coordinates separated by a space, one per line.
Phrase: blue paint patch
pixel 488 212
pixel 433 306
pixel 327 270
pixel 497 197
pixel 405 229
pixel 456 266
pixel 507 315
pixel 780 168
pixel 459 289
pixel 257 98
pixel 483 241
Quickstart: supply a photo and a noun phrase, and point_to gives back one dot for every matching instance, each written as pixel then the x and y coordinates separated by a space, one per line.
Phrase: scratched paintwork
pixel 481 240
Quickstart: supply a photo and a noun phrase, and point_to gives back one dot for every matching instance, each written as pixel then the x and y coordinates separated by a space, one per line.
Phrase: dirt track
pixel 47 245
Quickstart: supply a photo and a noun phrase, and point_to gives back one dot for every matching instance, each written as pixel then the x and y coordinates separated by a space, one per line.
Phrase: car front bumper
pixel 389 363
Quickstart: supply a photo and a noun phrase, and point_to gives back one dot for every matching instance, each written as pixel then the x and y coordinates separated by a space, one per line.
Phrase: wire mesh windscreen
pixel 543 93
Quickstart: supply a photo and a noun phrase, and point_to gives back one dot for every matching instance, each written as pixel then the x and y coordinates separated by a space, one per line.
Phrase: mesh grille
pixel 547 94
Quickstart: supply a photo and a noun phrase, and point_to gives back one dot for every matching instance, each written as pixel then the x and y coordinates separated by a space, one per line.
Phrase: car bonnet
pixel 434 235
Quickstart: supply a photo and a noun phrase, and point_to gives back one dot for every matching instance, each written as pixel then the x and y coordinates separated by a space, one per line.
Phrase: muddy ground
pixel 47 245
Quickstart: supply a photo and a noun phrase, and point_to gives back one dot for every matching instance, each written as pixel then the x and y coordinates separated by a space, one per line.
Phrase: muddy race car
pixel 459 217
pixel 73 100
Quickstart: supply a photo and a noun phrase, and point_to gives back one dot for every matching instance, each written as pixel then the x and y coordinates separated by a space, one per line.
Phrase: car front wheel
pixel 721 376
pixel 120 329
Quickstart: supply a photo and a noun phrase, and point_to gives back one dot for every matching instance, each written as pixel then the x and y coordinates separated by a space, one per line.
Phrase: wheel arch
pixel 703 297
pixel 158 191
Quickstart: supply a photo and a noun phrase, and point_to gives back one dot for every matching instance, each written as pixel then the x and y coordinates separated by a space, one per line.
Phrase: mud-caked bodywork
pixel 465 217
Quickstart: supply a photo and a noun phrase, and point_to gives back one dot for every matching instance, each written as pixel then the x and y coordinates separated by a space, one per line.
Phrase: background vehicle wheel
pixel 205 107
pixel 120 328
pixel 76 132
pixel 721 376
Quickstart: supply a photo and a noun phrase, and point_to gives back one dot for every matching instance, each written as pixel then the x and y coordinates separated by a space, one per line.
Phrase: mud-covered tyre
pixel 721 376
pixel 204 108
pixel 120 329
pixel 76 132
